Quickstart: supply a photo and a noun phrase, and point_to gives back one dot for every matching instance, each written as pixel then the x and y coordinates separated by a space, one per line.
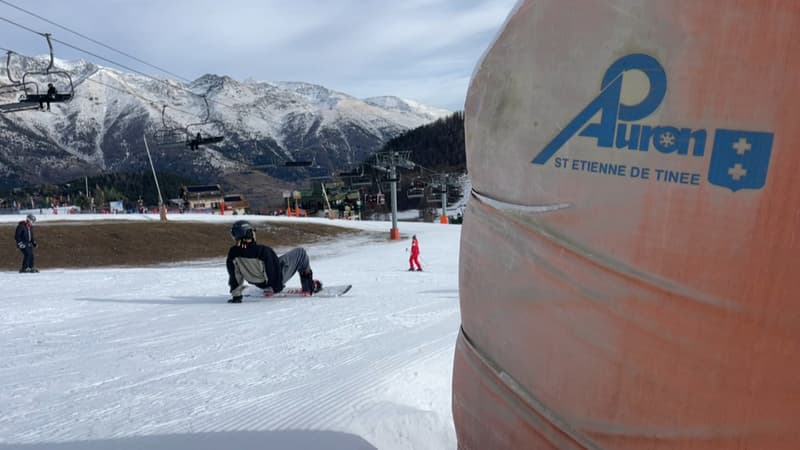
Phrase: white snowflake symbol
pixel 667 139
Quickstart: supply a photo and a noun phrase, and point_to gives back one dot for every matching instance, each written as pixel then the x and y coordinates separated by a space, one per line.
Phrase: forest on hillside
pixel 438 153
pixel 129 187
pixel 438 146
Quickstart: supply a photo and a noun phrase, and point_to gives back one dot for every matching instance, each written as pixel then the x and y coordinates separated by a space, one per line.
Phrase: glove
pixel 21 245
pixel 34 244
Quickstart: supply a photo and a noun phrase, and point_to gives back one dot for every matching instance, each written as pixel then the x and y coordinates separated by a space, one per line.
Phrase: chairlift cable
pixel 143 74
pixel 124 91
pixel 48 36
pixel 110 61
pixel 145 99
pixel 21 26
pixel 73 46
pixel 93 40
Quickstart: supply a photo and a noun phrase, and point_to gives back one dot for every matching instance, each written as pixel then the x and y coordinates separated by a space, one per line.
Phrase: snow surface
pixel 154 358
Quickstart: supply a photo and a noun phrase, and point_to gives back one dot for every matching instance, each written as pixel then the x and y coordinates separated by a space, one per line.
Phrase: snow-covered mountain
pixel 102 129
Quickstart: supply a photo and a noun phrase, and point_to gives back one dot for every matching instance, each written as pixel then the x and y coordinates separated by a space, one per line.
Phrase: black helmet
pixel 31 218
pixel 242 229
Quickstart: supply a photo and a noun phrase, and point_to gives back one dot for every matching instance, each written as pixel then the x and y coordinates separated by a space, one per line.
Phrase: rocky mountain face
pixel 264 124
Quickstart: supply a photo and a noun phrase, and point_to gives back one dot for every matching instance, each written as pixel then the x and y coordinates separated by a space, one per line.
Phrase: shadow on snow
pixel 240 440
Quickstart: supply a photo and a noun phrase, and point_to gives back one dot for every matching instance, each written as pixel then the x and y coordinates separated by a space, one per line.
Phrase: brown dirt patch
pixel 96 244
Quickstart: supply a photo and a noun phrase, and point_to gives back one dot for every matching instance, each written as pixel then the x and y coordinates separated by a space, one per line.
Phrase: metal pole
pixel 395 233
pixel 161 210
pixel 443 219
pixel 444 197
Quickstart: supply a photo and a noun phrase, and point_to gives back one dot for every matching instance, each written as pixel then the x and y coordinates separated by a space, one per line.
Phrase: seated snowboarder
pixel 260 265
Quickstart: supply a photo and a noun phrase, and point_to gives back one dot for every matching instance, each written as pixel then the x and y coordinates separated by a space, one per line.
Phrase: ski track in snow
pixel 112 353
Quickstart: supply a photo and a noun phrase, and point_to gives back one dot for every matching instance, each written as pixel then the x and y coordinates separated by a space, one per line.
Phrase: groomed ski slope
pixel 155 358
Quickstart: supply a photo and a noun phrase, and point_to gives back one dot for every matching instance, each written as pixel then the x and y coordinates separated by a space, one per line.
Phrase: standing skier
pixel 260 265
pixel 414 259
pixel 26 243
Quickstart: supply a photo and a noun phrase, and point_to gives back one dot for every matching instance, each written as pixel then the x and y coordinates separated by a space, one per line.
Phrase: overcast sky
pixel 424 50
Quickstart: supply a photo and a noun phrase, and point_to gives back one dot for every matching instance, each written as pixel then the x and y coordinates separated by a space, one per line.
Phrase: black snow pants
pixel 27 257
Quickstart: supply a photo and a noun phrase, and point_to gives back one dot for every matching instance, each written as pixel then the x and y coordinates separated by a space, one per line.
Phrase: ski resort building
pixel 212 197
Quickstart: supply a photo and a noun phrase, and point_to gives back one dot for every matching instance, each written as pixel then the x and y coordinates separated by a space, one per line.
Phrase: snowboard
pixel 327 291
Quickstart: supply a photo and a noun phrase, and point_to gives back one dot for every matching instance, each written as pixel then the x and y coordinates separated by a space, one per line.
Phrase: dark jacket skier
pixel 51 95
pixel 26 243
pixel 260 265
pixel 194 144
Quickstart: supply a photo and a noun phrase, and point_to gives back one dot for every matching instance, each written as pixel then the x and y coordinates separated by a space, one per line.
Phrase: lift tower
pixel 389 162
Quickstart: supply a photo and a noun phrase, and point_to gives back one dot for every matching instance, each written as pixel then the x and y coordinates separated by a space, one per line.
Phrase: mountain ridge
pixel 264 123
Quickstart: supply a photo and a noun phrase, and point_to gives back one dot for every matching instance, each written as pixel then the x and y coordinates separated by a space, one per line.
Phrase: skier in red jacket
pixel 414 259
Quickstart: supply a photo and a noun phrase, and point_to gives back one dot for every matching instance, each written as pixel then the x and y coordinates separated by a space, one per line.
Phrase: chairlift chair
pixel 14 85
pixel 263 161
pixel 34 95
pixel 357 177
pixel 417 188
pixel 195 139
pixel 300 163
pixel 415 192
pixel 372 199
pixel 361 181
pixel 267 163
pixel 65 87
pixel 353 173
pixel 31 97
pixel 434 194
pixel 319 173
pixel 169 137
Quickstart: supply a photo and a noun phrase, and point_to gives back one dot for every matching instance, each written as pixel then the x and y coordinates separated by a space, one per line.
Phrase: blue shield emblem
pixel 740 159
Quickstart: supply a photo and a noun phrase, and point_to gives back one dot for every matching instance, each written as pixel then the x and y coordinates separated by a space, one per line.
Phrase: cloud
pixel 419 49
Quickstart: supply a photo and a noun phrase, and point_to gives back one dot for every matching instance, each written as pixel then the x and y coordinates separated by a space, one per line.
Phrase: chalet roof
pixel 203 189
